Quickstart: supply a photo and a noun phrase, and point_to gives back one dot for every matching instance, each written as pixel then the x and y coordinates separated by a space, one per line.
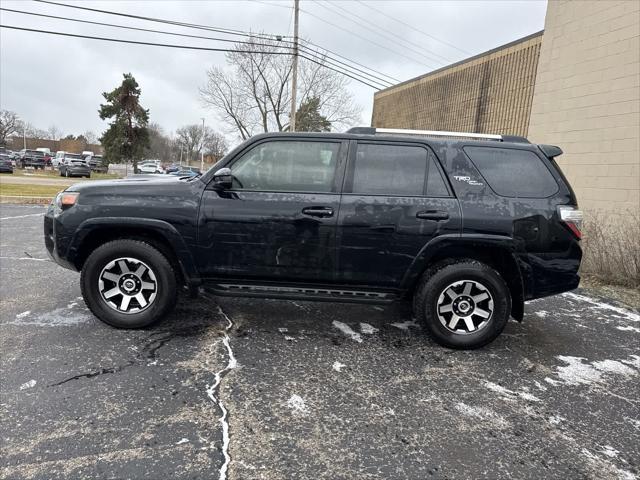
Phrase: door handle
pixel 322 212
pixel 383 228
pixel 437 215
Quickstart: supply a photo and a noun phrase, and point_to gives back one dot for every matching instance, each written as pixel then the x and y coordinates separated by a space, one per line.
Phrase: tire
pixel 471 290
pixel 66 173
pixel 98 281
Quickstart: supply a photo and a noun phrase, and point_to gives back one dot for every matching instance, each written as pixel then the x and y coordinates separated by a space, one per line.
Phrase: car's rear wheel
pixel 128 284
pixel 463 305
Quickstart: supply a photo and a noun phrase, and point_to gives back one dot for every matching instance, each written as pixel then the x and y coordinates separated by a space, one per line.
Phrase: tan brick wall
pixel 587 99
pixel 489 93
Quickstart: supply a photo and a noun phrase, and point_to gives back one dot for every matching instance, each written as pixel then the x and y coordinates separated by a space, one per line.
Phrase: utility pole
pixel 202 149
pixel 294 73
pixel 24 136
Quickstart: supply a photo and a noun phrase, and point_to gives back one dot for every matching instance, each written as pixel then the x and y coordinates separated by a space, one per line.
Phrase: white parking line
pixel 23 216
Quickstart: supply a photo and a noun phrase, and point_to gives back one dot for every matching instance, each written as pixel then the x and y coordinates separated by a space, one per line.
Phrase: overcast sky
pixel 51 80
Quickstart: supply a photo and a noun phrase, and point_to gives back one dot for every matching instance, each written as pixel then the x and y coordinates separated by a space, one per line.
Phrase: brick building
pixel 576 85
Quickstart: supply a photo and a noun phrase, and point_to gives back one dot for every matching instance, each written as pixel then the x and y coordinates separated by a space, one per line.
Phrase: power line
pixel 413 28
pixel 270 37
pixel 365 39
pixel 377 30
pixel 317 55
pixel 308 42
pixel 186 47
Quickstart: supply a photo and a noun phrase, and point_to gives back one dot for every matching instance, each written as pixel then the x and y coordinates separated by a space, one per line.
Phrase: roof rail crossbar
pixel 436 133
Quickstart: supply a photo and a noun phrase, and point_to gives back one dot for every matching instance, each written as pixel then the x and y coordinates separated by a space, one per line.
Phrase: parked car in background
pixel 6 164
pixel 74 165
pixel 172 168
pixel 59 157
pixel 31 158
pixel 96 163
pixel 186 172
pixel 150 166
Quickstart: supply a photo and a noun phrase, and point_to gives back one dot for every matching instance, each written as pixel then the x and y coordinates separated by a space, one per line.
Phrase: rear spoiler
pixel 551 151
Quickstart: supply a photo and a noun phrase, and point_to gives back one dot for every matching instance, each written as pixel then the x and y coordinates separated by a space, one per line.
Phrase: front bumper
pixel 56 241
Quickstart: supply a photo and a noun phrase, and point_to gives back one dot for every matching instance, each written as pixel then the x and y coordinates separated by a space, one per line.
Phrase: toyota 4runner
pixel 467 226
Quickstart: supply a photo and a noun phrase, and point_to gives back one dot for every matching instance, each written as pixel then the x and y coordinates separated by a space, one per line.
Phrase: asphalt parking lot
pixel 264 389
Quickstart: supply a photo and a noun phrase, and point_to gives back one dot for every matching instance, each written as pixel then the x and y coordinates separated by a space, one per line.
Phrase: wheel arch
pixel 494 250
pixel 163 236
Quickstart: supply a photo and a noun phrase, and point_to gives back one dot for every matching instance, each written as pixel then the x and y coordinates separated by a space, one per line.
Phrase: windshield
pixel 73 157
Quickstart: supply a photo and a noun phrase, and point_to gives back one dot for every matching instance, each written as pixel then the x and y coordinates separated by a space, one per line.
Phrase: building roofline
pixel 462 62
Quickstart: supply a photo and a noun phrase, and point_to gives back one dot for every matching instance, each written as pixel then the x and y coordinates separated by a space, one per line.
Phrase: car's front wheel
pixel 128 284
pixel 463 305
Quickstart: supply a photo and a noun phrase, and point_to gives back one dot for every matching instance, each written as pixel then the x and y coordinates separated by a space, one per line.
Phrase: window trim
pixel 542 161
pixel 337 173
pixel 347 184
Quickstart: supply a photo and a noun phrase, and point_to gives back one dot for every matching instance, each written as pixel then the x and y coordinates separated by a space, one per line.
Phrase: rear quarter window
pixel 513 173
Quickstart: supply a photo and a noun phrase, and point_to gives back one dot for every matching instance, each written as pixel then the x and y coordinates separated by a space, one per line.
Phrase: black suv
pixel 469 228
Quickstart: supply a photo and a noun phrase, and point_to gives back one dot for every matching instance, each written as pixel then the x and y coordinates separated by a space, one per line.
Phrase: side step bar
pixel 301 293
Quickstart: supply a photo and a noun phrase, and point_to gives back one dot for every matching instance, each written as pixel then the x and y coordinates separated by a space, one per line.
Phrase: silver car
pixel 74 165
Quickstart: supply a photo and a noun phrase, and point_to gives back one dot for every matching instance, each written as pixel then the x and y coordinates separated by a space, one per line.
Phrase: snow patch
pixel 579 372
pixel 337 366
pixel 29 384
pixel 296 403
pixel 604 466
pixel 556 420
pixel 634 317
pixel 182 440
pixel 613 366
pixel 542 313
pixel 406 325
pixel 54 318
pixel 609 451
pixel 505 392
pixel 629 329
pixel 346 329
pixel 367 329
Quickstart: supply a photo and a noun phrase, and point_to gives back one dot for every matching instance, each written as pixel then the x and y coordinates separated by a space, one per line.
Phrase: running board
pixel 301 293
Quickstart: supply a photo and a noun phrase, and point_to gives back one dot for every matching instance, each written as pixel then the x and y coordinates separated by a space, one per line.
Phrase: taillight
pixel 572 218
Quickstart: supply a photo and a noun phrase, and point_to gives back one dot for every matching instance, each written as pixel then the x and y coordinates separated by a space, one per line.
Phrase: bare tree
pixel 54 133
pixel 215 145
pixel 192 141
pixel 253 94
pixel 189 138
pixel 9 124
pixel 91 137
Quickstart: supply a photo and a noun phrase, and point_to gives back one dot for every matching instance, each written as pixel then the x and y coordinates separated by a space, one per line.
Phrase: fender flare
pixel 165 229
pixel 473 242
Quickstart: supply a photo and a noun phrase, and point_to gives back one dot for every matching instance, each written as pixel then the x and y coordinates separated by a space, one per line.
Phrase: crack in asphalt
pixel 213 392
pixel 148 352
pixel 102 371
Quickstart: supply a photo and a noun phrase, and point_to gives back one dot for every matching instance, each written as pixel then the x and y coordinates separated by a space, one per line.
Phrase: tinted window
pixel 389 169
pixel 436 187
pixel 73 156
pixel 287 166
pixel 513 173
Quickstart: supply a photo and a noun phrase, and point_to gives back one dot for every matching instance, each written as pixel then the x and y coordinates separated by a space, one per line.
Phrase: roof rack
pixel 436 133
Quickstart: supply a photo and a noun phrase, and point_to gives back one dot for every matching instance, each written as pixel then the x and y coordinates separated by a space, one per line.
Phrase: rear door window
pixel 513 173
pixel 401 170
pixel 388 170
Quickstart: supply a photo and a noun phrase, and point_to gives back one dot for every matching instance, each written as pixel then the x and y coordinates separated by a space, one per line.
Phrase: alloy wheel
pixel 128 285
pixel 465 307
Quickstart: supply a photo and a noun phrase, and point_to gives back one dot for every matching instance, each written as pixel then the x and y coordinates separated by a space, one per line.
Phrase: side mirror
pixel 223 178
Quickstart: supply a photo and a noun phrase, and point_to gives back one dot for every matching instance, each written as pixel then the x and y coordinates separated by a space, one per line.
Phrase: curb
pixel 19 199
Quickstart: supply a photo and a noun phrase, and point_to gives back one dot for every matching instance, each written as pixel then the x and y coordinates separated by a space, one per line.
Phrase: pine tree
pixel 127 136
pixel 309 119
